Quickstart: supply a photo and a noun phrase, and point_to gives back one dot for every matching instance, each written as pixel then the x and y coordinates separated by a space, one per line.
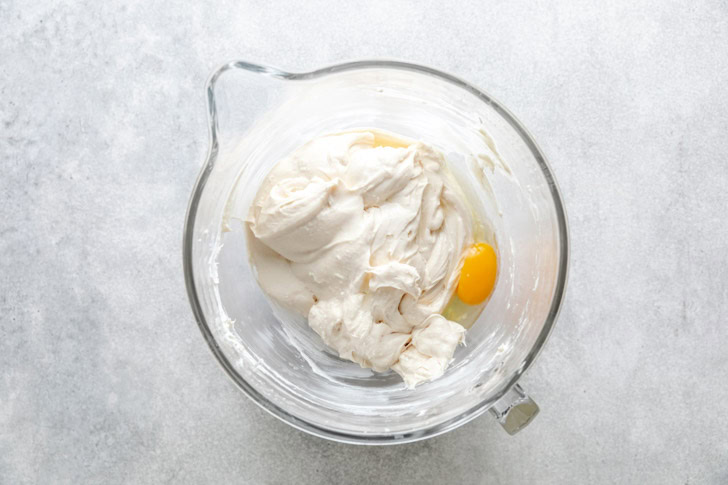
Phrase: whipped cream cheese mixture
pixel 367 240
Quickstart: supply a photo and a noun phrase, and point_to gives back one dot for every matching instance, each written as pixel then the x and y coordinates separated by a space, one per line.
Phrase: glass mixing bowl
pixel 260 114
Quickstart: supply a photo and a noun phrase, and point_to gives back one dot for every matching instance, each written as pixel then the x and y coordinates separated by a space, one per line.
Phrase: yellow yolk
pixel 477 277
pixel 386 140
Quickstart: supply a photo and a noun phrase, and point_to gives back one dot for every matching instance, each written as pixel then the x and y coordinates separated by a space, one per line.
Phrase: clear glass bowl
pixel 258 115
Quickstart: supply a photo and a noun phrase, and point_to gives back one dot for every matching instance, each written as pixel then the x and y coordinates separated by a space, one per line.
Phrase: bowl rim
pixel 188 242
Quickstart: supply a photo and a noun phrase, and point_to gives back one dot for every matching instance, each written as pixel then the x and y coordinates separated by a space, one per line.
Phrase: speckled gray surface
pixel 105 376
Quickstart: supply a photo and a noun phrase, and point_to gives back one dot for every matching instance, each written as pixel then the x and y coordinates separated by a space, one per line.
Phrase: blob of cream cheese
pixel 367 242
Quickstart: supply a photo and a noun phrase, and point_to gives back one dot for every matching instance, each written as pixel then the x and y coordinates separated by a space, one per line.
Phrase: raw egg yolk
pixel 477 277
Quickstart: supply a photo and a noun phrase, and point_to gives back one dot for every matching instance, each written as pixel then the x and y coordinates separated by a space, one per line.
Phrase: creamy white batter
pixel 367 241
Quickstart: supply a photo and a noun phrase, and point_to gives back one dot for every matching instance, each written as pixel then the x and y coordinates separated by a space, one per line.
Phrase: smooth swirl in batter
pixel 367 241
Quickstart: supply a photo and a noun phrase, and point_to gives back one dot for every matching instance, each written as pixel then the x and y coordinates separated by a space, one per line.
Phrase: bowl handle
pixel 515 410
pixel 237 93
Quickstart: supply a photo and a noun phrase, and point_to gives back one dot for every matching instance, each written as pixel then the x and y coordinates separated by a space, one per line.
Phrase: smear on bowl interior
pixel 368 235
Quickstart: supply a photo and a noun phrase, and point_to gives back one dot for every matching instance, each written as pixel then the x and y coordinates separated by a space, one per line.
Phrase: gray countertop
pixel 105 376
